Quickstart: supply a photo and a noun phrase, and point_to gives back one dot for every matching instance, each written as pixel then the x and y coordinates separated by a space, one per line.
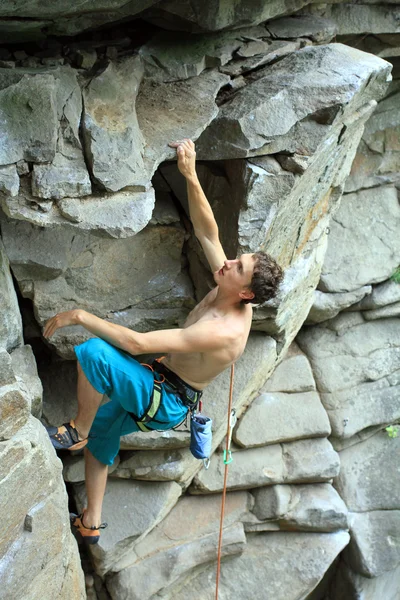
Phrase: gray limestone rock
pixel 10 318
pixel 353 586
pixel 191 518
pixel 354 354
pixel 168 57
pixel 360 408
pixel 350 260
pixel 316 28
pixel 14 410
pixel 302 461
pixel 378 157
pixel 210 16
pixel 277 417
pixel 368 475
pixel 155 465
pixel 366 17
pixel 25 370
pixel 382 295
pixel 155 440
pixel 164 118
pixel 113 140
pixel 7 375
pixel 291 563
pixel 65 177
pixel 171 565
pixel 165 211
pixel 391 310
pixel 374 548
pixel 293 374
pixel 36 544
pixel 131 509
pixel 326 305
pixel 118 215
pixel 310 507
pixel 276 49
pixel 28 102
pixel 58 19
pixel 260 115
pixel 9 180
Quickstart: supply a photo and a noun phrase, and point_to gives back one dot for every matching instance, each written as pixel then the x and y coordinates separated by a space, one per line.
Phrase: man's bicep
pixel 197 338
pixel 214 252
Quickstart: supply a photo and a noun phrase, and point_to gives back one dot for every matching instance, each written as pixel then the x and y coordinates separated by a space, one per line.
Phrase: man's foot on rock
pixel 90 535
pixel 66 437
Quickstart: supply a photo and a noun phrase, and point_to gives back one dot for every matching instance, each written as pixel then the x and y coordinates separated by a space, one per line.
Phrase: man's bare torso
pixel 198 369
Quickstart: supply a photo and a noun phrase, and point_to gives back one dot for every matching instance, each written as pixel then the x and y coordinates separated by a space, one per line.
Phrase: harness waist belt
pixel 188 394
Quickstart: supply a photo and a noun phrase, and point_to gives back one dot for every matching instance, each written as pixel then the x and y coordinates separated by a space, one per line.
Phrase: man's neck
pixel 227 303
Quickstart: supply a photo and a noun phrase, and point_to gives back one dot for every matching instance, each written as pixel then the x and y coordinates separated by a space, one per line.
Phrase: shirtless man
pixel 213 337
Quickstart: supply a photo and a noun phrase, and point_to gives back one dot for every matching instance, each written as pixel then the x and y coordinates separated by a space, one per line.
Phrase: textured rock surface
pixel 25 370
pixel 172 564
pixel 351 259
pixel 368 479
pixel 374 547
pixel 278 417
pixel 326 306
pixel 131 509
pixel 10 319
pixel 355 365
pixel 301 507
pixel 245 126
pixel 295 462
pixel 292 563
pixel 293 374
pixel 39 556
pixel 351 585
pixel 112 137
pixel 378 157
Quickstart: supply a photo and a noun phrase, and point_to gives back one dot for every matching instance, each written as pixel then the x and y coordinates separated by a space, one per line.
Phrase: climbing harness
pixel 189 396
pixel 227 460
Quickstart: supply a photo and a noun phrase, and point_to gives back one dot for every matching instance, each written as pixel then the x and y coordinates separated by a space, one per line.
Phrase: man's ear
pixel 246 294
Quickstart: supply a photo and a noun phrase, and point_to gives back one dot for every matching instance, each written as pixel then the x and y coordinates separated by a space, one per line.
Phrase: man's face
pixel 236 274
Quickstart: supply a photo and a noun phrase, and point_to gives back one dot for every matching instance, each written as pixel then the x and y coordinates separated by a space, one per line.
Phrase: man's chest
pixel 203 310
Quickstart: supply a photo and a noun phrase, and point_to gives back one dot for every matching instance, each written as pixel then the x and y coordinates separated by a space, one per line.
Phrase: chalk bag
pixel 200 436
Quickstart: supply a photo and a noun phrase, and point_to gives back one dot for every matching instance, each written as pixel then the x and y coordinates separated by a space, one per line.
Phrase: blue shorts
pixel 129 385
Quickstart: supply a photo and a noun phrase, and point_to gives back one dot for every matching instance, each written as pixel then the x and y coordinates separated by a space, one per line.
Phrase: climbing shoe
pixel 89 535
pixel 66 437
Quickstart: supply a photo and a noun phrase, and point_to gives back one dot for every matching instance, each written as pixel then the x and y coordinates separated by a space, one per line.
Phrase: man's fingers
pixel 187 142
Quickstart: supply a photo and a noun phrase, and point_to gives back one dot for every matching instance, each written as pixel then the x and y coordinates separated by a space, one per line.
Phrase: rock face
pixel 349 263
pixel 94 214
pixel 35 569
pixel 10 319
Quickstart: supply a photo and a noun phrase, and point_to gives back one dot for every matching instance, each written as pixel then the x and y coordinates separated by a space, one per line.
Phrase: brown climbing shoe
pixel 90 535
pixel 66 437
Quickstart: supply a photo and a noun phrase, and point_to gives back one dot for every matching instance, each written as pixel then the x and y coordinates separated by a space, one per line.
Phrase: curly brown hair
pixel 267 276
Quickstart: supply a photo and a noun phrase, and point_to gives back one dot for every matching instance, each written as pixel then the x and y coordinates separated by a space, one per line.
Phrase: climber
pixel 157 397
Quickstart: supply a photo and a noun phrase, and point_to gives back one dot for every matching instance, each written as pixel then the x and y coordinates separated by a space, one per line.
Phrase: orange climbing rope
pixel 227 460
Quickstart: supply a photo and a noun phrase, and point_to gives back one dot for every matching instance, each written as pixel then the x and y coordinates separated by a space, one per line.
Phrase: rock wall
pixel 283 109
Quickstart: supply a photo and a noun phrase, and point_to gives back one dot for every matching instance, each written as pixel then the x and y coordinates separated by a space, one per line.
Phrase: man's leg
pixel 89 401
pixel 95 481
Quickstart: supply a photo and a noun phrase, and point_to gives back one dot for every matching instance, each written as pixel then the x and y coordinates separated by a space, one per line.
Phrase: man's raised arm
pixel 201 215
